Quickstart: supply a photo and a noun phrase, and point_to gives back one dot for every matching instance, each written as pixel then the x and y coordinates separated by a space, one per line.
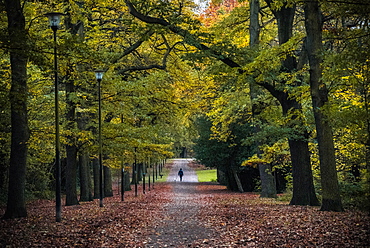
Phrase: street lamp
pixel 99 76
pixel 54 21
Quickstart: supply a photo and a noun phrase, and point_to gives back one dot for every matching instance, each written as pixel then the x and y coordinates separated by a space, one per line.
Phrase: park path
pixel 180 227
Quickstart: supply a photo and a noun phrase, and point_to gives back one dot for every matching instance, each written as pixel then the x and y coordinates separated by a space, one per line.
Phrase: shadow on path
pixel 181 227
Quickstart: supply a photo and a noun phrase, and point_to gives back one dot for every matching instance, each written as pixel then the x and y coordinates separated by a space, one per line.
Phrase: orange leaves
pixel 229 219
pixel 242 220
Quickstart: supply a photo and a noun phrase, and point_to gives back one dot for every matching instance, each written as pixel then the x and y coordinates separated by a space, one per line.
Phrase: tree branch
pixel 154 66
pixel 188 38
pixel 142 68
pixel 133 47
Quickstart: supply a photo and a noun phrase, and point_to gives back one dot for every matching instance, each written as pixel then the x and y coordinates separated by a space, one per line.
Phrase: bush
pixel 354 193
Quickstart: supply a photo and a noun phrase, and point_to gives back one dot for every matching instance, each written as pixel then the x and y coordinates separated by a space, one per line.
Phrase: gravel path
pixel 181 228
pixel 189 173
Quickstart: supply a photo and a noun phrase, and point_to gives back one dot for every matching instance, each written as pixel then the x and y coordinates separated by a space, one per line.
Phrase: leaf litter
pixel 211 217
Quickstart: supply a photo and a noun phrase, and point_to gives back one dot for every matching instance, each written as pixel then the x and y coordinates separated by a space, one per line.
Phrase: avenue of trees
pixel 271 88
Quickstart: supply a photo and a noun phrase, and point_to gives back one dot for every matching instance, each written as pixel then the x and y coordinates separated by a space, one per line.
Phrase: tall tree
pixel 18 43
pixel 303 188
pixel 84 161
pixel 331 200
pixel 268 185
pixel 71 146
pixel 304 193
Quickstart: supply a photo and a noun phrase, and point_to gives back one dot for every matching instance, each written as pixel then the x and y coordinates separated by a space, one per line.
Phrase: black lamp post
pixel 54 22
pixel 99 77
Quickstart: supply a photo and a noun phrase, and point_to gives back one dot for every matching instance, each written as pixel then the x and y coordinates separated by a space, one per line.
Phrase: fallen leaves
pixel 117 224
pixel 244 220
pixel 232 220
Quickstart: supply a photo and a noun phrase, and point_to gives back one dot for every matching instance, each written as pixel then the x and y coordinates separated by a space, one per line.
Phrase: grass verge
pixel 207 175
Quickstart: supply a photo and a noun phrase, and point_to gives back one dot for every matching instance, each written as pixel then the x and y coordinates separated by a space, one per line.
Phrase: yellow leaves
pixel 266 67
pixel 254 161
pixel 228 108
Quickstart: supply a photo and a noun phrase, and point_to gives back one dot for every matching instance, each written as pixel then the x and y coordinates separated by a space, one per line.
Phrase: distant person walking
pixel 181 173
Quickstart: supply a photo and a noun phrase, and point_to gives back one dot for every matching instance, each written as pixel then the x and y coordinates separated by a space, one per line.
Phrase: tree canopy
pixel 294 95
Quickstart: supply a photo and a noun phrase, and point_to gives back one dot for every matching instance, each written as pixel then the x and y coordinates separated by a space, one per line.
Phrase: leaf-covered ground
pixel 213 217
pixel 245 220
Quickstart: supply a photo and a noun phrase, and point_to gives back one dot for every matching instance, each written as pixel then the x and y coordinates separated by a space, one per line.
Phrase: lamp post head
pixel 99 74
pixel 54 19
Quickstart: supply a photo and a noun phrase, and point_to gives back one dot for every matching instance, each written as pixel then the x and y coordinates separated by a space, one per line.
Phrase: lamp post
pixel 99 77
pixel 54 22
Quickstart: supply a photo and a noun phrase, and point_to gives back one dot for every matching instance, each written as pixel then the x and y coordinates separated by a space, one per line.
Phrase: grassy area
pixel 203 175
pixel 207 175
pixel 165 172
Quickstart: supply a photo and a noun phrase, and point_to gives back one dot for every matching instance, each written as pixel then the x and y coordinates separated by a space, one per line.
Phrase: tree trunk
pixel 71 176
pixel 4 162
pixel 84 161
pixel 108 191
pixel 303 187
pixel 18 101
pixel 127 185
pixel 96 172
pixel 71 149
pixel 268 185
pixel 254 31
pixel 230 179
pixel 85 182
pixel 331 200
pixel 221 177
pixel 140 167
pixel 254 27
pixel 237 180
pixel 133 174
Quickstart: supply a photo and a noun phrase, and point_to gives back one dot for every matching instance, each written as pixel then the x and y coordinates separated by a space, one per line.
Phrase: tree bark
pixel 230 179
pixel 221 177
pixel 71 175
pixel 96 172
pixel 127 184
pixel 254 27
pixel 85 179
pixel 18 100
pixel 108 191
pixel 71 148
pixel 331 200
pixel 237 180
pixel 268 184
pixel 139 169
pixel 303 187
pixel 84 161
pixel 133 174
